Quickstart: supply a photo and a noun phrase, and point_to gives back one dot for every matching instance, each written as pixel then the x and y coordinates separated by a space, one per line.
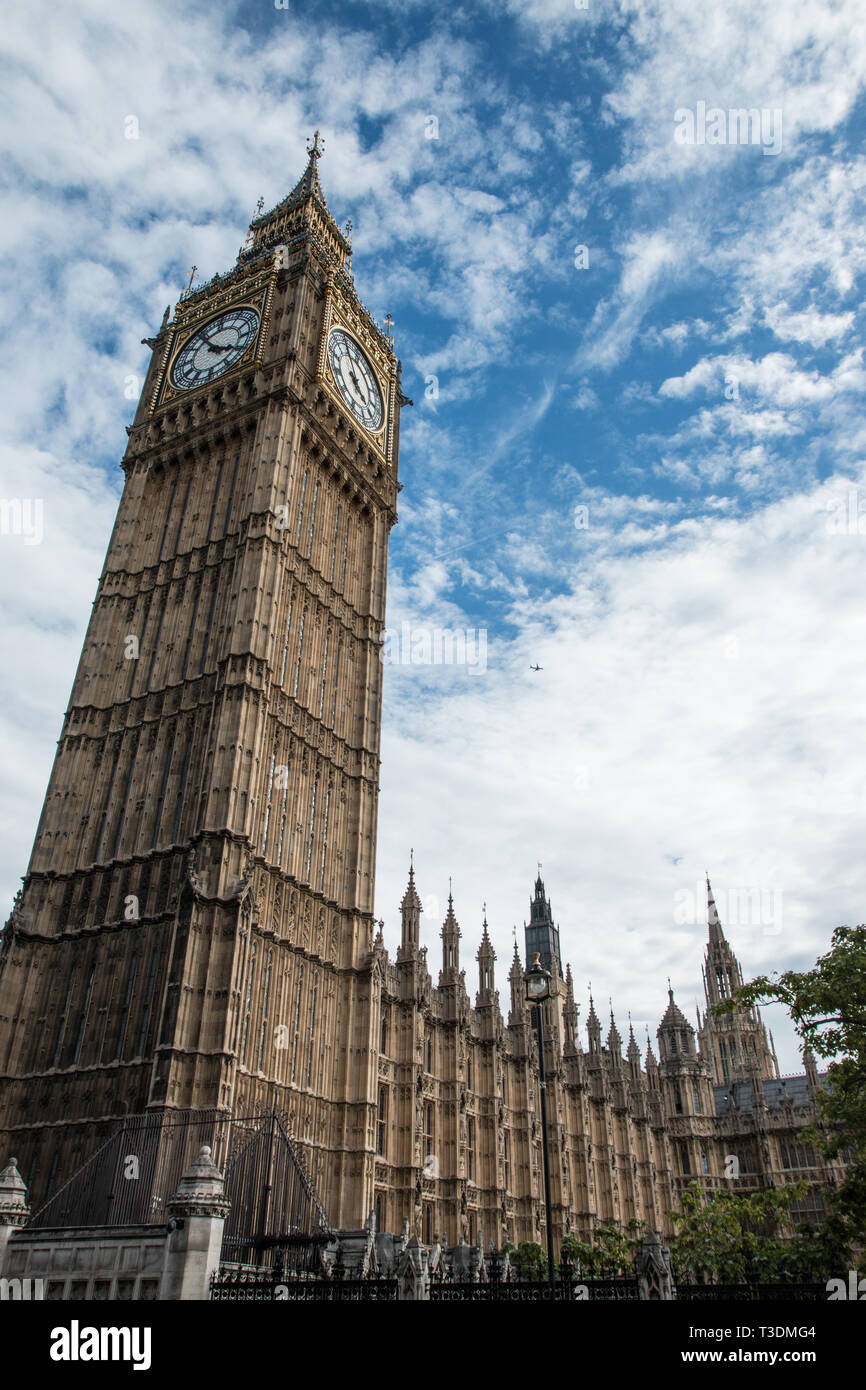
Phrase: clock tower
pixel 195 927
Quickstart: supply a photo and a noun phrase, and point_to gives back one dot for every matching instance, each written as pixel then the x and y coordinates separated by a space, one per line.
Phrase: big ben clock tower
pixel 195 927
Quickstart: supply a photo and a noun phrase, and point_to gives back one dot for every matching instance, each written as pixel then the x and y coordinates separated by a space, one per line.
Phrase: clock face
pixel 214 347
pixel 356 380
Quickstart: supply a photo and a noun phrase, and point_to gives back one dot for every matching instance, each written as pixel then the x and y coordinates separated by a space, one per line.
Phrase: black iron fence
pixel 510 1288
pixel 295 1286
pixel 275 1216
pixel 751 1293
pixel 276 1284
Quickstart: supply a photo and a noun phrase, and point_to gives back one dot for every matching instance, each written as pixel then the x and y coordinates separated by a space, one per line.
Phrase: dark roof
pixel 792 1088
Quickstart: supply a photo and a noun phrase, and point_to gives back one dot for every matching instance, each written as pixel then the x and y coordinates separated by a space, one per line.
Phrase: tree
pixel 528 1258
pixel 610 1250
pixel 828 1008
pixel 737 1238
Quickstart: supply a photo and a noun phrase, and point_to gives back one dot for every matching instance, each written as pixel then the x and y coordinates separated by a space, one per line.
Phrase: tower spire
pixel 410 914
pixel 450 942
pixel 717 935
pixel 593 1026
pixel 632 1051
pixel 516 981
pixel 486 957
pixel 542 934
pixel 304 212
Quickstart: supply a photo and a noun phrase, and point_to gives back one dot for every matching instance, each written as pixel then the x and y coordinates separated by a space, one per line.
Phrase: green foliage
pixel 729 1237
pixel 610 1251
pixel 828 1007
pixel 529 1259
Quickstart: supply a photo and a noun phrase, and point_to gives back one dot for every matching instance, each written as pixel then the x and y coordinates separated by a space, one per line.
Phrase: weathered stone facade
pixel 195 928
pixel 459 1142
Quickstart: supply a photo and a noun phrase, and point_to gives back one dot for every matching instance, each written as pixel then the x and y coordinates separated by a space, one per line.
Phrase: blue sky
pixel 639 466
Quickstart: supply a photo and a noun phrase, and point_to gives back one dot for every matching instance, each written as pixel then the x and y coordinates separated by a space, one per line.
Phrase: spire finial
pixel 258 212
pixel 314 150
pixel 187 289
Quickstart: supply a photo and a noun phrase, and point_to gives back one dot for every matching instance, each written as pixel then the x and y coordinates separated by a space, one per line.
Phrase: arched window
pixel 428 1130
pixel 380 1127
pixel 429 1053
pixel 247 1005
pixel 383 1040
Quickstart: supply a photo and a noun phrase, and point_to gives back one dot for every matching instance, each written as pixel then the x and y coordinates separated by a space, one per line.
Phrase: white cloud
pixel 698 700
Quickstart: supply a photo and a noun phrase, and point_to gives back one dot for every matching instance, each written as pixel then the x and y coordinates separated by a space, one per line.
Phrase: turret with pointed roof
pixel 486 958
pixel 542 935
pixel 450 944
pixel 410 916
pixel 614 1041
pixel 633 1052
pixel 570 1016
pixel 675 1034
pixel 303 213
pixel 651 1065
pixel 593 1030
pixel 516 980
pixel 735 1044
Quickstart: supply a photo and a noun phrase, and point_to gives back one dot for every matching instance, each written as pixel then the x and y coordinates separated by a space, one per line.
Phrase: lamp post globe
pixel 537 982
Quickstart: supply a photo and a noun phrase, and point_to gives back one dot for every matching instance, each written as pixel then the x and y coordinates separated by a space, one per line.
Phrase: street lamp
pixel 537 990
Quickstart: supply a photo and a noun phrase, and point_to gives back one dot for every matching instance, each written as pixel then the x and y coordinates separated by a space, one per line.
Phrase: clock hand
pixel 361 392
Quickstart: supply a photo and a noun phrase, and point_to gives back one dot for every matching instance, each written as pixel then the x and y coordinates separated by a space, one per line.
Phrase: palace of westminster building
pixel 195 931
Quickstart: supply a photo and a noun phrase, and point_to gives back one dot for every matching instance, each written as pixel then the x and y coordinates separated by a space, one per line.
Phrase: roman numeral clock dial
pixel 355 380
pixel 214 347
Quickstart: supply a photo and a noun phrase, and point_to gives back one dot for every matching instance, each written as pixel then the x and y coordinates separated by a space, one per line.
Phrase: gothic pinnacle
pixel 717 934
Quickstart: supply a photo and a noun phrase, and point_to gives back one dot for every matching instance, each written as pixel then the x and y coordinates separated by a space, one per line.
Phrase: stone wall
pixel 94 1262
pixel 171 1261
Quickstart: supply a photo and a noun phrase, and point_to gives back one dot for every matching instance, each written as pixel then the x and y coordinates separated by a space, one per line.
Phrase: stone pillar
pixel 14 1211
pixel 197 1213
pixel 413 1273
pixel 654 1277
